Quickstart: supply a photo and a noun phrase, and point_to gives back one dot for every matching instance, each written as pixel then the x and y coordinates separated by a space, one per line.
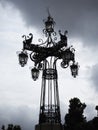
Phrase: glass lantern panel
pixel 74 70
pixel 35 73
pixel 23 57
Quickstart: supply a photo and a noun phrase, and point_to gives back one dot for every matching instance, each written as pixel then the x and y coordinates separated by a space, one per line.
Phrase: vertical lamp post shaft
pixel 44 57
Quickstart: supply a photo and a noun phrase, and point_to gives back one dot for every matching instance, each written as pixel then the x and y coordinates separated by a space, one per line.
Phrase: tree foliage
pixel 11 127
pixel 74 118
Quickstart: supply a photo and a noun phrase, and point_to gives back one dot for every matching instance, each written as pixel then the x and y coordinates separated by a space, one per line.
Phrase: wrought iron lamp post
pixel 45 56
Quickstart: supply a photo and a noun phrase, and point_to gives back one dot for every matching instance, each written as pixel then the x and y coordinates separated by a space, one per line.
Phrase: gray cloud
pixel 90 112
pixel 80 17
pixel 24 116
pixel 94 76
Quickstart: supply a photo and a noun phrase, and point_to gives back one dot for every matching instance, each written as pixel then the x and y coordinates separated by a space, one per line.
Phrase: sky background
pixel 19 94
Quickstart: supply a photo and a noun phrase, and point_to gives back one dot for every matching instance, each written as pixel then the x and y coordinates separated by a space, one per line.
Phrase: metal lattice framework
pixel 45 56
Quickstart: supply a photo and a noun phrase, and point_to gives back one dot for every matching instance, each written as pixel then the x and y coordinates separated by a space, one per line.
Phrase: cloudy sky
pixel 19 94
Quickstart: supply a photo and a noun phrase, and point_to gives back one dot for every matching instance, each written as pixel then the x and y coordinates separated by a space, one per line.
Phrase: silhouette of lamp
pixel 35 73
pixel 45 56
pixel 74 69
pixel 97 110
pixel 67 56
pixel 49 25
pixel 23 58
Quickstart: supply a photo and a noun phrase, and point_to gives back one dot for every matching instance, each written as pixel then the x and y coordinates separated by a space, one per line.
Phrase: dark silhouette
pixel 11 127
pixel 75 119
pixel 3 127
pixel 29 38
pixel 63 37
pixel 92 124
pixel 97 110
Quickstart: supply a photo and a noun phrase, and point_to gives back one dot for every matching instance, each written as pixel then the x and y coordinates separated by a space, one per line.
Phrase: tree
pixel 11 127
pixel 75 119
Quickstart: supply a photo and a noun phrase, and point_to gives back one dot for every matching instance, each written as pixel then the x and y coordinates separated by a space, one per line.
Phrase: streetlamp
pixel 45 56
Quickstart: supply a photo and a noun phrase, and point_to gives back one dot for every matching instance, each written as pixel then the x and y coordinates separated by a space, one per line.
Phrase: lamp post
pixel 45 56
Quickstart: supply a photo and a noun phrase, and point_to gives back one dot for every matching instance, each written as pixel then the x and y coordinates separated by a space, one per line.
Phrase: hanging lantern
pixel 66 55
pixel 35 73
pixel 74 69
pixel 49 25
pixel 23 58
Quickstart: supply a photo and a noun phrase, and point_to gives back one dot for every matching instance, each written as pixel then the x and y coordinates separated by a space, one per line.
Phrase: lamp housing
pixel 67 56
pixel 23 58
pixel 49 25
pixel 35 73
pixel 74 69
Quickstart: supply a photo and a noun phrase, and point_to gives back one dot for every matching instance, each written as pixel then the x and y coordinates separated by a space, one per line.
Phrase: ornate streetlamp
pixel 45 56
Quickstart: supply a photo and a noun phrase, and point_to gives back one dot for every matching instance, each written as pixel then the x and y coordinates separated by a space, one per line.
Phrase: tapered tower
pixel 45 56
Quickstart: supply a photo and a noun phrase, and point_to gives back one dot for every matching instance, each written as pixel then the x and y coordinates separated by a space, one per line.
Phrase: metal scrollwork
pixel 33 56
pixel 64 65
pixel 54 33
pixel 44 57
pixel 41 41
pixel 45 32
pixel 50 47
pixel 28 39
pixel 72 49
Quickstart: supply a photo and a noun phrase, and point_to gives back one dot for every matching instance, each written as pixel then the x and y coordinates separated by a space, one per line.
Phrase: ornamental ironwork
pixel 45 56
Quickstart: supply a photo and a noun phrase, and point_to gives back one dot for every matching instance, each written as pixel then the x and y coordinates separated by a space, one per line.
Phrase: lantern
pixel 23 58
pixel 67 56
pixel 49 24
pixel 35 73
pixel 74 69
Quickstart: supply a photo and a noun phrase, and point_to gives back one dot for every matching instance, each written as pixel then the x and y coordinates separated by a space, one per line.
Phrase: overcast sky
pixel 19 94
